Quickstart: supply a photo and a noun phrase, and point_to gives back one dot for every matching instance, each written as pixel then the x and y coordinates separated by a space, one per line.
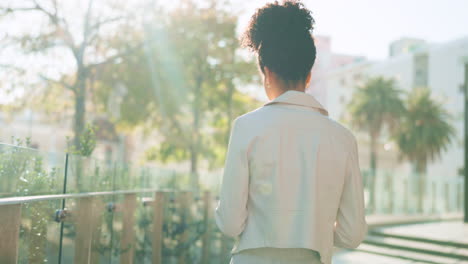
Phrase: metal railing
pixel 63 208
pixel 85 218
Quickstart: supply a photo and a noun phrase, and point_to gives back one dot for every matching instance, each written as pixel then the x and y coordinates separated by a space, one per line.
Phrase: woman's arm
pixel 231 213
pixel 350 226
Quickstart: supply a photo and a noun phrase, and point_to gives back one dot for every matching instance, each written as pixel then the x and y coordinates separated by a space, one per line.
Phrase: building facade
pixel 412 63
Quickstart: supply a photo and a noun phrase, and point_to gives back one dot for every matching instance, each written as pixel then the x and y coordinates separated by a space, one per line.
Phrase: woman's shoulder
pixel 341 133
pixel 252 116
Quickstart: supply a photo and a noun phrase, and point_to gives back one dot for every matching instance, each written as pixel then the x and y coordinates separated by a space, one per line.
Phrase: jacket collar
pixel 299 98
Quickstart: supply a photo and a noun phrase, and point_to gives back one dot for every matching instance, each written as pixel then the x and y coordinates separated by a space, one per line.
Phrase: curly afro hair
pixel 280 34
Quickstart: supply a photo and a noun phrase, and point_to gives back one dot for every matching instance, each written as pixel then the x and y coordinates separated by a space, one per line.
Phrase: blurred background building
pixel 411 63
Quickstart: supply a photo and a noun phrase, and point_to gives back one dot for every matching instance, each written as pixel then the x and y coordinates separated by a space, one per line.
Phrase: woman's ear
pixel 308 78
pixel 267 72
pixel 267 75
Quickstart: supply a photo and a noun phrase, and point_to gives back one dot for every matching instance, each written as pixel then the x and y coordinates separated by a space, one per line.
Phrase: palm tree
pixel 374 105
pixel 425 132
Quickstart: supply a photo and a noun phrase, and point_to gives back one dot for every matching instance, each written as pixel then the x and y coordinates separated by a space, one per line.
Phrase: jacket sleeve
pixel 350 227
pixel 231 212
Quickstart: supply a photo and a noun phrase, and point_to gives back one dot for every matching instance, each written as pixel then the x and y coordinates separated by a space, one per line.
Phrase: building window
pixel 420 70
pixel 342 99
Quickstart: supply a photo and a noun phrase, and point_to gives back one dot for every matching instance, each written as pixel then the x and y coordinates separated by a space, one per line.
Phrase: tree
pixel 207 43
pixel 424 133
pixel 80 30
pixel 174 71
pixel 185 84
pixel 74 43
pixel 374 105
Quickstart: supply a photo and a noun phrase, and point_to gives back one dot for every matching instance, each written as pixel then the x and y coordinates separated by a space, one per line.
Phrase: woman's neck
pixel 278 89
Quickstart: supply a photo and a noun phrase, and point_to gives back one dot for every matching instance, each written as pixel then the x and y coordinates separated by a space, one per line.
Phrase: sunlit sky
pixel 356 27
pixel 366 27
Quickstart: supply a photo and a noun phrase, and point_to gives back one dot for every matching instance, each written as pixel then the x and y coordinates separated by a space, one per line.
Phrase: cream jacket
pixel 292 180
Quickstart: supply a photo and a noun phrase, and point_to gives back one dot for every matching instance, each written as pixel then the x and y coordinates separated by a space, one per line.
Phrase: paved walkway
pixel 410 231
pixel 453 231
pixel 357 257
pixel 386 220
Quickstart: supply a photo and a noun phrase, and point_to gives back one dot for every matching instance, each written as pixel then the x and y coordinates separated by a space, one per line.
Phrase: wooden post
pixel 128 232
pixel 207 215
pixel 84 230
pixel 98 207
pixel 158 218
pixel 10 220
pixel 185 198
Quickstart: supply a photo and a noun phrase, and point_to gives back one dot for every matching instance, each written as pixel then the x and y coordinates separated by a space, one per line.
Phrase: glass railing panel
pixel 39 235
pixel 404 193
pixel 25 171
pixel 144 228
pixel 88 232
pixel 86 174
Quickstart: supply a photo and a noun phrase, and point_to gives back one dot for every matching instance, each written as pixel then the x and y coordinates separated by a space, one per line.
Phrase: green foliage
pixel 425 131
pixel 375 104
pixel 182 229
pixel 23 173
pixel 206 46
pixel 167 152
pixel 420 126
pixel 175 71
pixel 84 37
pixel 182 232
pixel 183 82
pixel 87 142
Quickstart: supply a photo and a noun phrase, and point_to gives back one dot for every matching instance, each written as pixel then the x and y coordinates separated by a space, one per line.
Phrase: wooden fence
pixel 86 220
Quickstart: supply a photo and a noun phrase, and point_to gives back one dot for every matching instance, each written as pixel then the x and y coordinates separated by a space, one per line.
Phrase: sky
pixel 367 27
pixel 358 27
